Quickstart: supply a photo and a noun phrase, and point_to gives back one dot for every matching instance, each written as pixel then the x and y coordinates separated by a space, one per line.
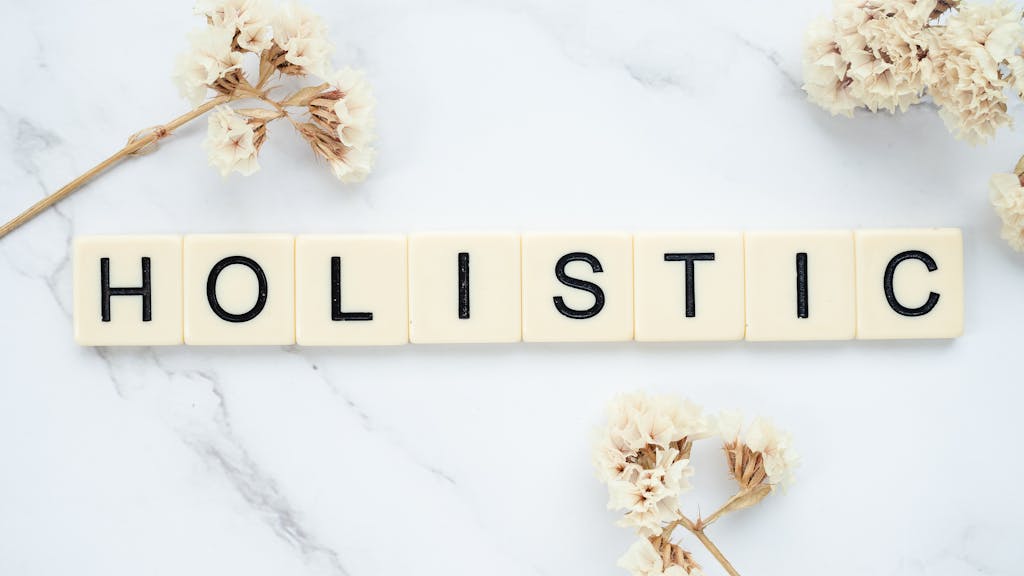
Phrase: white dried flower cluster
pixel 972 53
pixel 289 39
pixel 886 54
pixel 758 453
pixel 872 54
pixel 233 141
pixel 643 559
pixel 643 456
pixel 1007 197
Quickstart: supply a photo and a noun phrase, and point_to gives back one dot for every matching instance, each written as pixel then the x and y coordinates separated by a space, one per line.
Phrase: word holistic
pixel 338 290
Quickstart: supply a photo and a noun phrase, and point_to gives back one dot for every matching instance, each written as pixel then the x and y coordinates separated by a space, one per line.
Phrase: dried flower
pixel 637 420
pixel 233 142
pixel 302 38
pixel 650 492
pixel 969 86
pixel 885 54
pixel 1007 197
pixel 290 41
pixel 759 455
pixel 347 109
pixel 347 163
pixel 872 54
pixel 643 456
pixel 826 79
pixel 250 19
pixel 643 559
pixel 884 43
pixel 208 60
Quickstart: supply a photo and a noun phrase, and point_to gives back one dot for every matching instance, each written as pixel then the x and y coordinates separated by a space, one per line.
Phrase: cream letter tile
pixel 577 287
pixel 239 289
pixel 800 285
pixel 351 291
pixel 688 286
pixel 464 288
pixel 127 290
pixel 910 283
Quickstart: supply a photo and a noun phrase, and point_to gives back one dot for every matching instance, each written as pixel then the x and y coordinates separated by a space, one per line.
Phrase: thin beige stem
pixel 134 146
pixel 705 522
pixel 699 533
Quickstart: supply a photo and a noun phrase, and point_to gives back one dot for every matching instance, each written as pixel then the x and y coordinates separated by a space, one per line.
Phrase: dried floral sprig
pixel 643 455
pixel 335 115
pixel 889 54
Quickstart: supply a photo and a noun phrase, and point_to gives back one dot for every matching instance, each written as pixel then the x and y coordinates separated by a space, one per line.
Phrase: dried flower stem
pixel 697 529
pixel 134 146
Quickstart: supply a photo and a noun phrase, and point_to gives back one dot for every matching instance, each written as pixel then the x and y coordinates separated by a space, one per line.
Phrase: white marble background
pixel 511 114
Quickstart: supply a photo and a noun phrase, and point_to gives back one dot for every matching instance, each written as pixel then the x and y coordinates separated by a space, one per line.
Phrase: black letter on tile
pixel 336 314
pixel 890 273
pixel 801 285
pixel 146 291
pixel 463 285
pixel 690 258
pixel 211 289
pixel 571 282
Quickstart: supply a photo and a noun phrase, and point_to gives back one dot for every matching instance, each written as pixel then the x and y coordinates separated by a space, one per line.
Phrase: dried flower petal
pixel 1007 197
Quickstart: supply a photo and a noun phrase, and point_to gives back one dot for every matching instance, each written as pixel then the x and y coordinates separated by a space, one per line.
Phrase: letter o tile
pixel 239 289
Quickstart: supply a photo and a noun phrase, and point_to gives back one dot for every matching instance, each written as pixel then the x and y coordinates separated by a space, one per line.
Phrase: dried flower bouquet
pixel 643 455
pixel 890 54
pixel 286 45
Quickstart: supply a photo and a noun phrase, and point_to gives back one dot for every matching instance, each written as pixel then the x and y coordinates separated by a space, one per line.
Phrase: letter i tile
pixel 800 285
pixel 464 288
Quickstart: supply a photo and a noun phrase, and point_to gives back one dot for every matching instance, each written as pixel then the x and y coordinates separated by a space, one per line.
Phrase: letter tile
pixel 800 285
pixel 239 289
pixel 577 287
pixel 910 283
pixel 351 290
pixel 688 286
pixel 464 288
pixel 127 290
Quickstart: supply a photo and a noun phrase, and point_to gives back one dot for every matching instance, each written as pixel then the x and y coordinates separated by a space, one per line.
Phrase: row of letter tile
pixel 342 290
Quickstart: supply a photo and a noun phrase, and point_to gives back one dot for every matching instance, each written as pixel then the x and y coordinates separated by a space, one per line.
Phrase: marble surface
pixel 506 114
